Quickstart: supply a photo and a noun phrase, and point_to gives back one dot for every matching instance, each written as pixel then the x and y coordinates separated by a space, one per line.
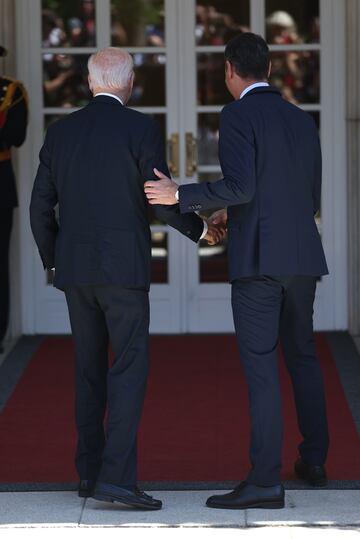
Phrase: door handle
pixel 191 154
pixel 173 154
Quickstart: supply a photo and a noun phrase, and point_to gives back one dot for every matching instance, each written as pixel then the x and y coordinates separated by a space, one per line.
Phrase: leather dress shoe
pixel 246 496
pixel 313 474
pixel 86 487
pixel 133 497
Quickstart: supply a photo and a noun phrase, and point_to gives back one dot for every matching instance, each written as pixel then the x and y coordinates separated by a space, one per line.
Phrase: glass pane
pixel 297 75
pixel 68 23
pixel 159 272
pixel 217 21
pixel 211 89
pixel 208 138
pixel 139 23
pixel 292 21
pixel 65 80
pixel 213 258
pixel 149 85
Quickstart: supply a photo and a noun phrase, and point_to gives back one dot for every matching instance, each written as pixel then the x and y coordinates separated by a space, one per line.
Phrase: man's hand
pixel 218 218
pixel 217 227
pixel 161 191
pixel 215 234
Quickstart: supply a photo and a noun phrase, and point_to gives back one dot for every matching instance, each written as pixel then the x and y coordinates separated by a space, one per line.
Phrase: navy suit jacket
pixel 93 164
pixel 270 158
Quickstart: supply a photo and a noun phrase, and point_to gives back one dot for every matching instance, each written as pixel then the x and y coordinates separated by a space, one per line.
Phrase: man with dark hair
pixel 271 161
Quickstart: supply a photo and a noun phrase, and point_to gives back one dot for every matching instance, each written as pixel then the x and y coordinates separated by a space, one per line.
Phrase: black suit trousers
pixel 6 220
pixel 107 450
pixel 264 309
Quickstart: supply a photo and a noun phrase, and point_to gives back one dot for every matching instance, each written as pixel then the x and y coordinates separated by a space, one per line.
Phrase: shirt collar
pixel 110 95
pixel 252 86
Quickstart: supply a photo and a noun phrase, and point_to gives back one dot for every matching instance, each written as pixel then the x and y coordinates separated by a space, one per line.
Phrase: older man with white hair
pixel 93 164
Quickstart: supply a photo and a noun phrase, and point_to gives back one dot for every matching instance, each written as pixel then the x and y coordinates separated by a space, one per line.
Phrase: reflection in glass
pixel 139 23
pixel 291 21
pixel 211 89
pixel 213 258
pixel 217 21
pixel 68 23
pixel 65 80
pixel 159 250
pixel 149 84
pixel 208 138
pixel 297 75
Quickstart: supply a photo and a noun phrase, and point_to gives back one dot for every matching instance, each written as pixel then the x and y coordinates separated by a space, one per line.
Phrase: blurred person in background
pixel 13 122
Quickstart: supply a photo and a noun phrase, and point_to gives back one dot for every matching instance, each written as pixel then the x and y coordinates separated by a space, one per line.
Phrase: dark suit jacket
pixel 11 134
pixel 270 157
pixel 94 164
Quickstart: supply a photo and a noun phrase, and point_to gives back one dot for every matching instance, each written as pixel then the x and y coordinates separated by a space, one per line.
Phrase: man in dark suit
pixel 13 124
pixel 271 161
pixel 93 164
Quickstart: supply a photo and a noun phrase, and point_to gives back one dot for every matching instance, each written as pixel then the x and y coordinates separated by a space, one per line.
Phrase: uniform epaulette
pixel 15 94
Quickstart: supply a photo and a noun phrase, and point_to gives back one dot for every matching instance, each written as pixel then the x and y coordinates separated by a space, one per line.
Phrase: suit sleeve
pixel 153 156
pixel 317 178
pixel 44 198
pixel 237 160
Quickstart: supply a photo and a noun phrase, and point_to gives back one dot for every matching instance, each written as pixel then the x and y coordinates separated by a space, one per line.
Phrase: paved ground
pixel 307 514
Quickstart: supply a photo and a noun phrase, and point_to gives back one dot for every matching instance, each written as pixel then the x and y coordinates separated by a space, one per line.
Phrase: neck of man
pixel 245 83
pixel 119 93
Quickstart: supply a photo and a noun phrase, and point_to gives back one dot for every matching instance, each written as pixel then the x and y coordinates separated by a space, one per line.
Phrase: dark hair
pixel 249 54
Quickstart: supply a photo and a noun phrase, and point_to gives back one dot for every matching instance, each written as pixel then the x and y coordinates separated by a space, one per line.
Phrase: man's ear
pixel 269 70
pixel 90 83
pixel 229 68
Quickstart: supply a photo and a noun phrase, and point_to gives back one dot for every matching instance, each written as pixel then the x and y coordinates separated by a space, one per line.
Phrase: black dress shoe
pixel 133 497
pixel 86 488
pixel 246 496
pixel 315 475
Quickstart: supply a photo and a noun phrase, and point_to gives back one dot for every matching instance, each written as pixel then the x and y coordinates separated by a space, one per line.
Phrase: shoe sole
pixel 85 495
pixel 256 505
pixel 111 499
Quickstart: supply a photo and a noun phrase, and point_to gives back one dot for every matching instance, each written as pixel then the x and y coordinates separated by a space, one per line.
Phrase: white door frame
pixel 184 305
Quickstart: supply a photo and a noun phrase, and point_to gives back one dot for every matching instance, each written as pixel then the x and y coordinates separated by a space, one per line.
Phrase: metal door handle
pixel 173 154
pixel 191 154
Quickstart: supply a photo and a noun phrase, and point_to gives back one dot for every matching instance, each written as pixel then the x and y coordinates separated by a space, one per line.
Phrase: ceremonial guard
pixel 13 122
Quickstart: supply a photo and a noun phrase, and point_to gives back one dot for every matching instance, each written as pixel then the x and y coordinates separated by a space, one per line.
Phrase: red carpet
pixel 195 424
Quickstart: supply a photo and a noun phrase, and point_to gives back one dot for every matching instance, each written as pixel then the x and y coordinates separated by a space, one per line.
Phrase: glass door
pixel 301 40
pixel 70 31
pixel 178 47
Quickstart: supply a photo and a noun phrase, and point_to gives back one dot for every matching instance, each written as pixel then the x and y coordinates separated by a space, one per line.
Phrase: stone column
pixel 353 159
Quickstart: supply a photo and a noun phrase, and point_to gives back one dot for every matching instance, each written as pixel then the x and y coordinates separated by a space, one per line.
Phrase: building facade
pixel 177 47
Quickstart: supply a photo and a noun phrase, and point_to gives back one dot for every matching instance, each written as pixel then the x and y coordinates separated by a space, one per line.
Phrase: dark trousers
pixel 6 220
pixel 98 314
pixel 264 309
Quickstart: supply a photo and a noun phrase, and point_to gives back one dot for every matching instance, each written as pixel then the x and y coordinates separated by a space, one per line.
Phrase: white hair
pixel 111 68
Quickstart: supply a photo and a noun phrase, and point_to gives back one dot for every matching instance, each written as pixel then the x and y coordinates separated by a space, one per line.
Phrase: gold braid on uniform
pixel 7 102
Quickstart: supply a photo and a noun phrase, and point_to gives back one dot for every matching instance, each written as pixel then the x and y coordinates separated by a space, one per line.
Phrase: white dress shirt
pixel 252 86
pixel 110 95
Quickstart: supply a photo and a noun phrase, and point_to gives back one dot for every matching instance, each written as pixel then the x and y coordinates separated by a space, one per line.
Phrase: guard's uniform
pixel 13 122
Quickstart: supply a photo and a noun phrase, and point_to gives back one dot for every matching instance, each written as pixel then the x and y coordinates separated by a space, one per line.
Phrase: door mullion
pixel 103 24
pixel 257 16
